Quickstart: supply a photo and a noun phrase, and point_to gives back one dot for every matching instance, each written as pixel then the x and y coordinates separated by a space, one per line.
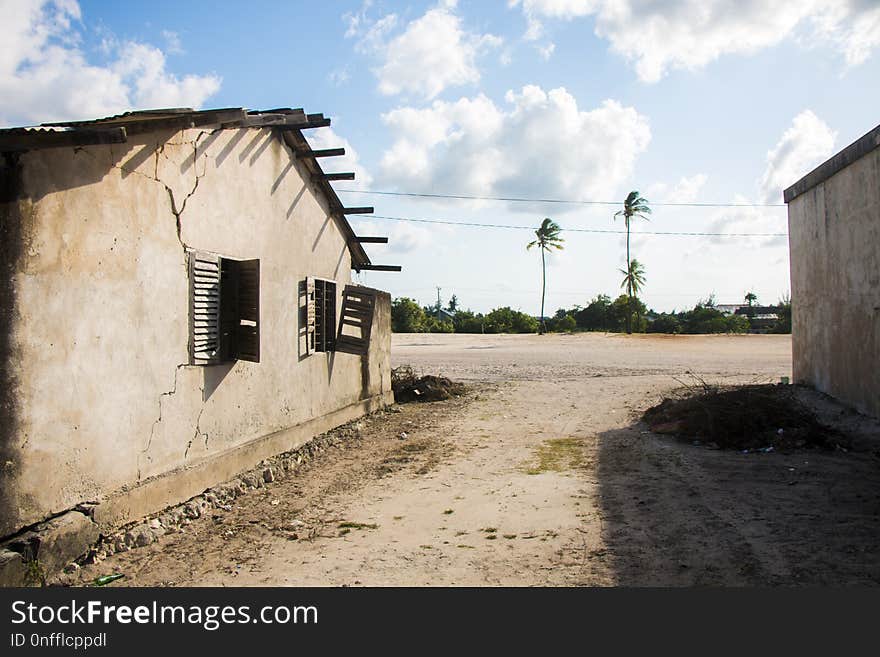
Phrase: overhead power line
pixel 579 230
pixel 514 199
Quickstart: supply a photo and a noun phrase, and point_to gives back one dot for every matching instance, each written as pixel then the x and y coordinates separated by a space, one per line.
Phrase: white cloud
pixel 764 226
pixel 403 237
pixel 535 10
pixel 45 75
pixel 173 44
pixel 354 20
pixel 546 51
pixel 689 34
pixel 432 53
pixel 804 145
pixel 141 68
pixel 541 144
pixel 687 189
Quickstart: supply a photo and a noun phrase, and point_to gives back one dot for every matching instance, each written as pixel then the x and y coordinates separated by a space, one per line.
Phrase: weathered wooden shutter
pixel 325 315
pixel 247 342
pixel 310 315
pixel 358 307
pixel 330 316
pixel 204 308
pixel 305 333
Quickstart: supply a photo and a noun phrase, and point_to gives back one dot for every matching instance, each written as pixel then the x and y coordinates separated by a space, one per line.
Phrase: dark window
pixel 224 309
pixel 318 303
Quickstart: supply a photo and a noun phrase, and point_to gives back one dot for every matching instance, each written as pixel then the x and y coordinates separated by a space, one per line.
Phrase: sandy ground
pixel 542 475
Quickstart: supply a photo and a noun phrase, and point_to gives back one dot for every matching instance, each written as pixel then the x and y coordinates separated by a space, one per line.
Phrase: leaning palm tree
pixel 633 206
pixel 633 281
pixel 548 238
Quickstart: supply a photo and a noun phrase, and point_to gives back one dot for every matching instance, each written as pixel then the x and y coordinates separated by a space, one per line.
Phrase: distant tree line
pixel 600 314
pixel 407 316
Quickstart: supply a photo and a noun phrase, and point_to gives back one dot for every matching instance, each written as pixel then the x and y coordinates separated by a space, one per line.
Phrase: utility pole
pixel 438 303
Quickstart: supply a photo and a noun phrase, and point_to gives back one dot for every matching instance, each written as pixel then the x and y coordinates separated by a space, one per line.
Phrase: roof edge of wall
pixel 855 151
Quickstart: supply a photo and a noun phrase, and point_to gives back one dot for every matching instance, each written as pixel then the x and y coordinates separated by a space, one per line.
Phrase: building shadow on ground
pixel 676 514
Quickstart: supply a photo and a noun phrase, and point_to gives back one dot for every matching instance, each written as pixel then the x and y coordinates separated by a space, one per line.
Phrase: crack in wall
pixel 159 152
pixel 177 211
pixel 198 432
pixel 178 216
pixel 169 393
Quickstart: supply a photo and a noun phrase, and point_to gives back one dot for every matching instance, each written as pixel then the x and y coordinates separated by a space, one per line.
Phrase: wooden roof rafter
pixel 301 149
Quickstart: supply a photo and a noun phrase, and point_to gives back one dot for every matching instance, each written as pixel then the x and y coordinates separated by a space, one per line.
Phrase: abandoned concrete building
pixel 176 305
pixel 834 238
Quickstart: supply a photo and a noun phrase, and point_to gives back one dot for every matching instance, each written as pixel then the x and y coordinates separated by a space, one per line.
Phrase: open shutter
pixel 325 315
pixel 305 332
pixel 329 316
pixel 247 339
pixel 204 308
pixel 310 315
pixel 355 327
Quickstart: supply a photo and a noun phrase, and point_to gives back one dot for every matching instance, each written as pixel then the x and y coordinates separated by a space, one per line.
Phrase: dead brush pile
pixel 408 387
pixel 742 417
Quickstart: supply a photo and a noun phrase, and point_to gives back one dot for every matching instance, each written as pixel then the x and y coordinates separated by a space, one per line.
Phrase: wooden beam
pixel 371 240
pixel 325 152
pixel 378 268
pixel 210 117
pixel 280 110
pixel 333 176
pixel 323 123
pixel 27 140
pixel 364 210
pixel 316 121
pixel 259 120
pixel 309 121
pixel 307 124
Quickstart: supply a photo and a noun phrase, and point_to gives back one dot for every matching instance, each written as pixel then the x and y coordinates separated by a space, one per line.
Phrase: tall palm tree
pixel 548 238
pixel 633 206
pixel 633 281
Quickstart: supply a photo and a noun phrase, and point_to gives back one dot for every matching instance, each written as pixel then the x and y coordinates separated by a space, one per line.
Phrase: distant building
pixel 834 239
pixel 761 318
pixel 445 315
pixel 728 308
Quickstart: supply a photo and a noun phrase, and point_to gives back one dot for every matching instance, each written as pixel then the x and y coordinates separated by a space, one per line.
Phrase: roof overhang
pixel 287 122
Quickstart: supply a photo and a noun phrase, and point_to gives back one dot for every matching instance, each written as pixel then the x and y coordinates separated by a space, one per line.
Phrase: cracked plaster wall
pixel 104 398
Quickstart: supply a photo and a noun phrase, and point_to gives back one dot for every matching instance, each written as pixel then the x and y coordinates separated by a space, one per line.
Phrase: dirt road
pixel 543 476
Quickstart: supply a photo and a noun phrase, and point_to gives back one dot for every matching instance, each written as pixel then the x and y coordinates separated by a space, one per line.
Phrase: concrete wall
pixel 834 234
pixel 97 401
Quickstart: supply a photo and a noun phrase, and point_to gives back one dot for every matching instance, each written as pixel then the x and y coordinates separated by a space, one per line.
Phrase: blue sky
pixel 702 101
